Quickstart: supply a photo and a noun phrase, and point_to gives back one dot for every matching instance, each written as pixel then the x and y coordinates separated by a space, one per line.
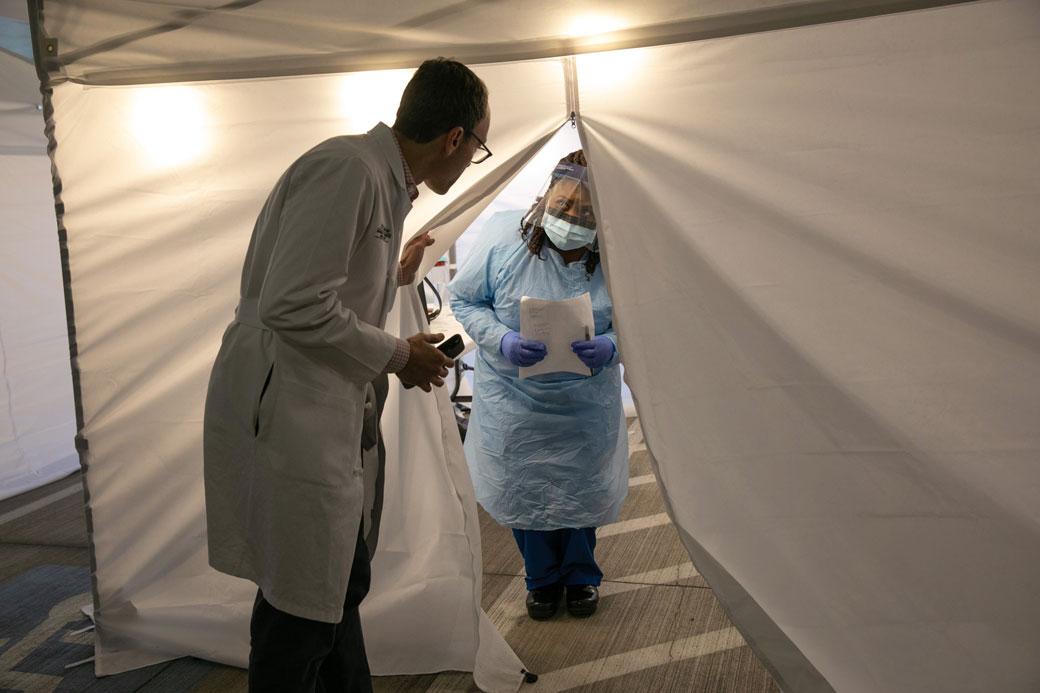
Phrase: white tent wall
pixel 37 418
pixel 821 244
pixel 825 267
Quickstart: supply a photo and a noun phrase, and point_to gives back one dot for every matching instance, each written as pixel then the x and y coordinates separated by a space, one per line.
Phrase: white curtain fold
pixel 424 612
pixel 824 266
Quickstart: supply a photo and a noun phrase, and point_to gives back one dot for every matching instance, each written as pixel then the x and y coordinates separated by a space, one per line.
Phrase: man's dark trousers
pixel 289 653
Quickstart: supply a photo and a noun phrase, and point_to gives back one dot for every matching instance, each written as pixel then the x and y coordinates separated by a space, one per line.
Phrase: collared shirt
pixel 409 179
pixel 402 351
pixel 399 360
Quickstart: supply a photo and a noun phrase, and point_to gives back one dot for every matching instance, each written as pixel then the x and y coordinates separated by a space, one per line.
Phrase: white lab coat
pixel 287 399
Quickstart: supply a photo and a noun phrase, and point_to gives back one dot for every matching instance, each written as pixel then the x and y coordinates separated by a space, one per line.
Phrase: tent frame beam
pixel 795 15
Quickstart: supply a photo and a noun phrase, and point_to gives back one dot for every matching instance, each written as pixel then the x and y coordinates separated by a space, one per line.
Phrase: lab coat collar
pixel 384 139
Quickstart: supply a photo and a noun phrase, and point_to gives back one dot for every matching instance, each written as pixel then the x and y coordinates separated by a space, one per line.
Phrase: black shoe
pixel 542 602
pixel 582 599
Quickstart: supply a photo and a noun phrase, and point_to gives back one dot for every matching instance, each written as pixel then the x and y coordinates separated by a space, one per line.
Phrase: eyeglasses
pixel 481 153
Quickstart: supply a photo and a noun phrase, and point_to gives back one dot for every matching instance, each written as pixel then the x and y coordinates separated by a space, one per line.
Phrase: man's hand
pixel 426 364
pixel 412 255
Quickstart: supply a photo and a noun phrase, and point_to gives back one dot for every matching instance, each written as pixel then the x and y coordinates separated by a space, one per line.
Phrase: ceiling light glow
pixel 608 69
pixel 366 98
pixel 592 25
pixel 170 124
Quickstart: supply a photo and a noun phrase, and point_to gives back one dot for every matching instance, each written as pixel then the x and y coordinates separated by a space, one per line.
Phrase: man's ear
pixel 453 139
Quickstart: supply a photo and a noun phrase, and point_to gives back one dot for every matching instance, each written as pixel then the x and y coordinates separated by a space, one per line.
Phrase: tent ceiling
pixel 15 39
pixel 136 42
pixel 18 84
pixel 15 9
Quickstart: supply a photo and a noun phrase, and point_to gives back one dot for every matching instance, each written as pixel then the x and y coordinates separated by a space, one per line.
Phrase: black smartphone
pixel 450 347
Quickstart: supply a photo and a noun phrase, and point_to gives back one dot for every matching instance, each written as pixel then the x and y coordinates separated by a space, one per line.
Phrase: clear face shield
pixel 569 220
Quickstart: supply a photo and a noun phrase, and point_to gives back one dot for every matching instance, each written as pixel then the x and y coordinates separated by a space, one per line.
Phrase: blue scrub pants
pixel 559 556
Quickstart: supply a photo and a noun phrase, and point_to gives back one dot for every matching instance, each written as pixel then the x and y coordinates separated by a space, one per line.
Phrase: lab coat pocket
pixel 307 435
pixel 375 398
pixel 258 407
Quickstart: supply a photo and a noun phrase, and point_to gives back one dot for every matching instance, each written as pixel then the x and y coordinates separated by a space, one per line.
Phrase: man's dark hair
pixel 441 95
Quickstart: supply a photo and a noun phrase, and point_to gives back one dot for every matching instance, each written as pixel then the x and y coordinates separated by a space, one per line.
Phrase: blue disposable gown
pixel 551 451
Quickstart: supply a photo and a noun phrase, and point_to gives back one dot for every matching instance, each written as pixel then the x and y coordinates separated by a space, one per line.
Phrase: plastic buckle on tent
pixel 574 117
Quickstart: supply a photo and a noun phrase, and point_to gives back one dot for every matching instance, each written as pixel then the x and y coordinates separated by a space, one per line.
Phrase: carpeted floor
pixel 658 628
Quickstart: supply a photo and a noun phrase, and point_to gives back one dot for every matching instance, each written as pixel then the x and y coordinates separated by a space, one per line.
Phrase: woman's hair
pixel 441 95
pixel 530 225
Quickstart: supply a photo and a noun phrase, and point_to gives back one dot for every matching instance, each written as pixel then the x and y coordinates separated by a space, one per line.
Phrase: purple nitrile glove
pixel 520 351
pixel 595 352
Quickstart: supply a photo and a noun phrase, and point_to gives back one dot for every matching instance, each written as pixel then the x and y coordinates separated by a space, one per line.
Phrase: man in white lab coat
pixel 291 424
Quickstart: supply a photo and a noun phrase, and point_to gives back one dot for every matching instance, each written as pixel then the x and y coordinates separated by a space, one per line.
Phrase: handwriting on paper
pixel 556 323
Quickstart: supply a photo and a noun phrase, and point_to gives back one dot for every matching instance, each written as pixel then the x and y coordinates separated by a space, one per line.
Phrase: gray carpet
pixel 658 628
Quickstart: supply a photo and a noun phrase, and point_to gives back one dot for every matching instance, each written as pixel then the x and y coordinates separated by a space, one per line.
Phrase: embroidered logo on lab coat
pixel 383 233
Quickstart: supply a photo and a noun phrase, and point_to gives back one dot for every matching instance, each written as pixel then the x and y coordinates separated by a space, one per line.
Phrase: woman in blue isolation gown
pixel 548 454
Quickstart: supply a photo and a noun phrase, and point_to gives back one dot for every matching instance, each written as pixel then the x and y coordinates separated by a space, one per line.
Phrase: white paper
pixel 556 324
